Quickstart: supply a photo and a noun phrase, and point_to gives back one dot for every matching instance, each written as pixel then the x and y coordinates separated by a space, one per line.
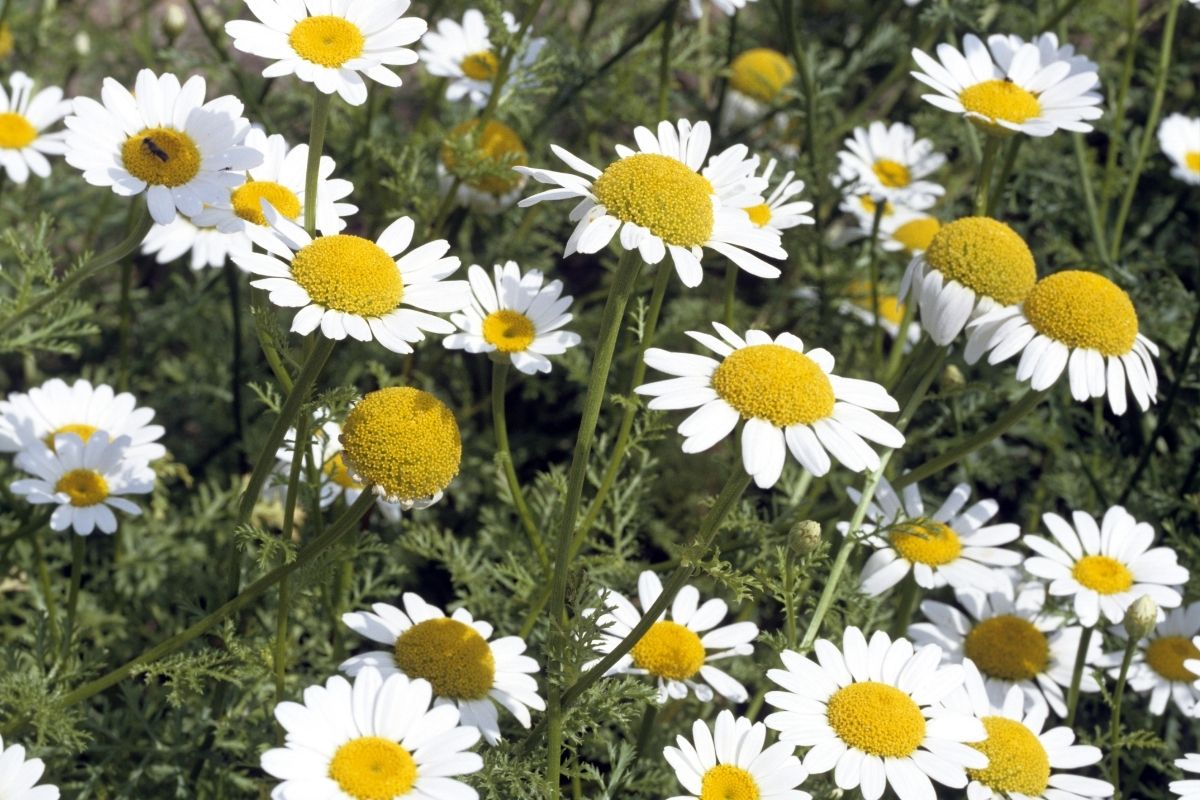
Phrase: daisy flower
pixel 465 56
pixel 24 117
pixel 208 246
pixel 1107 566
pixel 789 399
pixel 1187 789
pixel 18 776
pixel 726 7
pixel 779 212
pixel 477 184
pixel 1027 95
pixel 351 286
pixel 80 408
pixel 872 714
pixel 84 480
pixel 678 652
pixel 1179 138
pixel 900 229
pixel 661 202
pixel 333 49
pixel 453 653
pixel 733 763
pixel 375 738
pixel 1014 641
pixel 889 163
pixel 1165 663
pixel 1004 49
pixel 516 316
pixel 757 80
pixel 1078 322
pixel 971 266
pixel 857 303
pixel 161 139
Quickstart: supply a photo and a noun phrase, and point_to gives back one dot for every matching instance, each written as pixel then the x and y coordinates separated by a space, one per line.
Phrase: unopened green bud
pixel 174 21
pixel 212 18
pixel 804 537
pixel 1141 617
pixel 82 43
pixel 952 378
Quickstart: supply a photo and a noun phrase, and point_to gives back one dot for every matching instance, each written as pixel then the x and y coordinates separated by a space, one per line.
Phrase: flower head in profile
pixel 758 79
pixel 1166 663
pixel 889 163
pixel 477 164
pixel 1187 789
pixel 24 117
pixel 1179 138
pixel 904 231
pixel 19 775
pixel 779 211
pixel 856 301
pixel 732 763
pixel 205 247
pixel 464 54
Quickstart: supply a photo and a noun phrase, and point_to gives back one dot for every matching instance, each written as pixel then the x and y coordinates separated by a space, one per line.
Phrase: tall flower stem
pixel 300 448
pixel 237 409
pixel 1089 197
pixel 873 272
pixel 1011 150
pixel 1085 638
pixel 39 552
pixel 504 454
pixel 77 553
pixel 664 61
pixel 1114 747
pixel 316 143
pixel 987 164
pixel 1114 141
pixel 729 292
pixel 905 604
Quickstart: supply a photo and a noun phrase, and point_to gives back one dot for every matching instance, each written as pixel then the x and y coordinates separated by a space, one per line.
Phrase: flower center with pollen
pixel 1102 574
pixel 1083 309
pixel 915 235
pixel 891 174
pixel 451 655
pixel 1017 761
pixel 373 768
pixel 497 148
pixel 326 40
pixel 669 650
pixel 247 201
pixel 508 331
pixel 161 156
pixel 336 470
pixel 403 440
pixel 84 487
pixel 727 782
pixel 876 718
pixel 926 542
pixel 761 73
pixel 84 432
pixel 1000 100
pixel 349 274
pixel 661 194
pixel 775 383
pixel 889 306
pixel 1008 647
pixel 480 66
pixel 1192 159
pixel 15 131
pixel 1166 655
pixel 760 214
pixel 986 256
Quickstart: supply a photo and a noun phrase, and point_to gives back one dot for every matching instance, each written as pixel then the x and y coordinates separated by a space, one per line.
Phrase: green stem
pixel 77 553
pixel 984 182
pixel 300 447
pixel 1115 732
pixel 789 599
pixel 504 453
pixel 124 336
pixel 897 352
pixel 43 571
pixel 1118 128
pixel 664 64
pixel 731 274
pixel 237 409
pixel 1058 16
pixel 873 272
pixel 1089 197
pixel 1085 639
pixel 646 731
pixel 316 143
pixel 905 604
pixel 1011 150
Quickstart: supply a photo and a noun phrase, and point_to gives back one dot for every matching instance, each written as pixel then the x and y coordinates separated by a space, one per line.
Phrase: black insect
pixel 154 149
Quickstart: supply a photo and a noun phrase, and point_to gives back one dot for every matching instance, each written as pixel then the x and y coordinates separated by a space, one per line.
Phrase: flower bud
pixel 1141 617
pixel 212 18
pixel 82 44
pixel 804 537
pixel 174 21
pixel 952 378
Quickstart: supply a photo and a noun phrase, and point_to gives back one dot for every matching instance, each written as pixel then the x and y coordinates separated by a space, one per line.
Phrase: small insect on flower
pixel 154 149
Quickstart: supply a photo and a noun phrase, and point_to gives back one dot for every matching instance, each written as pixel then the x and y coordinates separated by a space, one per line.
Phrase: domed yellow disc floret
pixel 327 40
pixel 727 782
pixel 926 542
pixel 999 100
pixel 1008 647
pixel 15 131
pixel 1166 655
pixel 775 383
pixel 85 487
pixel 760 214
pixel 404 441
pixel 876 718
pixel 247 201
pixel 161 156
pixel 1102 574
pixel 669 650
pixel 891 174
pixel 335 469
pixel 498 143
pixel 661 194
pixel 481 66
pixel 508 331
pixel 916 234
pixel 1083 309
pixel 761 73
pixel 373 768
pixel 449 654
pixel 84 432
pixel 986 256
pixel 1017 761
pixel 350 274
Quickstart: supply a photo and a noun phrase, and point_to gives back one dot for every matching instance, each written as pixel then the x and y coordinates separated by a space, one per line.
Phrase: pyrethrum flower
pixel 161 139
pixel 1026 95
pixel 465 56
pixel 890 163
pixel 678 652
pixel 871 713
pixel 1004 49
pixel 377 738
pixel 856 302
pixel 333 49
pixel 479 187
pixel 733 764
pixel 19 775
pixel 779 212
pixel 1187 789
pixel 453 653
pixel 1107 566
pixel 1078 322
pixel 1179 138
pixel 208 246
pixel 1166 664
pixel 953 546
pixel 660 202
pixel 514 315
pixel 789 399
pixel 24 117
pixel 351 286
pixel 757 80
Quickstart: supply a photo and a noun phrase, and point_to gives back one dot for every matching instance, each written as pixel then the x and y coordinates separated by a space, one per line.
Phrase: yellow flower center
pixel 1008 647
pixel 481 66
pixel 85 487
pixel 6 41
pixel 327 40
pixel 449 654
pixel 775 383
pixel 247 201
pixel 916 234
pixel 727 782
pixel 868 205
pixel 1102 574
pixel 161 156
pixel 760 214
pixel 1017 761
pixel 1083 309
pixel 373 768
pixel 661 194
pixel 350 274
pixel 761 73
pixel 508 331
pixel 891 174
pixel 404 440
pixel 986 256
pixel 876 718
pixel 15 131
pixel 335 469
pixel 999 100
pixel 1192 159
pixel 889 306
pixel 497 146
pixel 1166 655
pixel 926 542
pixel 84 432
pixel 669 650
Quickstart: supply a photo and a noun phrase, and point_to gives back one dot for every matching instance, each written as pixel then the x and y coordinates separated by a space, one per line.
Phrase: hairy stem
pixel 316 143
pixel 1114 747
pixel 504 454
pixel 1085 639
